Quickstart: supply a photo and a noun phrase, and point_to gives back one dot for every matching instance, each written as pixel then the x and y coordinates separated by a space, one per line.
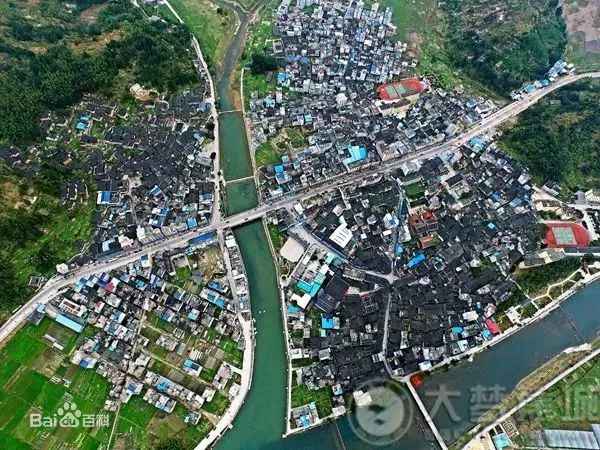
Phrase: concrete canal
pixel 260 422
pixel 235 157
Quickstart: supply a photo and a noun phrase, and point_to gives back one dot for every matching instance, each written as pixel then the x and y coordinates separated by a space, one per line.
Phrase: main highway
pixel 58 283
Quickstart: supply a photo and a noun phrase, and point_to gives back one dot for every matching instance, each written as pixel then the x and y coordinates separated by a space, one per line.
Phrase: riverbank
pixel 248 128
pixel 210 23
pixel 286 335
pixel 537 379
pixel 247 325
pixel 567 323
pixel 266 390
pixel 267 399
pixel 247 329
pixel 226 421
pixel 586 280
pixel 481 435
pixel 230 70
pixel 264 408
pixel 237 161
pixel 540 314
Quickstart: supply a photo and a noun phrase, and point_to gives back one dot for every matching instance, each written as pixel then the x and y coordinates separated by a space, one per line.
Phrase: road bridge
pixel 58 283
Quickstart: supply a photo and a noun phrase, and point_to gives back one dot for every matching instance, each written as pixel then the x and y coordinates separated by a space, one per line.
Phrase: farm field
pixel 36 378
pixel 583 30
pixel 302 395
pixel 567 405
pixel 142 426
pixel 212 24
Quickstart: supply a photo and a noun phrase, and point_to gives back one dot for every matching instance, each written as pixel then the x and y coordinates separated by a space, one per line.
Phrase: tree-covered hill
pixel 559 138
pixel 50 55
pixel 503 44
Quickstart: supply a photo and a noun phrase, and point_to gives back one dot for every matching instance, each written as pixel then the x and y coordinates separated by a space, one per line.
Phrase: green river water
pixel 260 422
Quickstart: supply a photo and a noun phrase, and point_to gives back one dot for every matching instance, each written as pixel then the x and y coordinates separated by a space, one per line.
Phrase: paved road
pixel 55 284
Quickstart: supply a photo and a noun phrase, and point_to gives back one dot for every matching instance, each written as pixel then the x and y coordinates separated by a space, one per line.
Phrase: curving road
pixel 58 283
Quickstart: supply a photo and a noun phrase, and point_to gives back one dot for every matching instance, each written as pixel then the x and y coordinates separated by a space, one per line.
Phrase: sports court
pixel 566 234
pixel 400 89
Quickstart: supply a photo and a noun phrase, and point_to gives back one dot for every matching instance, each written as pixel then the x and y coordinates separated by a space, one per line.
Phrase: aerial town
pixel 426 254
pixel 400 233
pixel 417 260
pixel 337 86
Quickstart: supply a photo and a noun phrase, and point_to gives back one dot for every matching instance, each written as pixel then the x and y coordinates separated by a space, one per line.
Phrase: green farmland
pixel 213 25
pixel 569 404
pixel 33 380
pixel 37 378
pixel 142 426
pixel 303 395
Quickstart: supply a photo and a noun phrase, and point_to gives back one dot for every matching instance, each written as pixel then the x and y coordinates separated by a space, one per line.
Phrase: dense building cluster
pixel 388 275
pixel 426 252
pixel 147 167
pixel 164 327
pixel 474 223
pixel 339 82
pixel 358 221
pixel 335 318
pixel 159 180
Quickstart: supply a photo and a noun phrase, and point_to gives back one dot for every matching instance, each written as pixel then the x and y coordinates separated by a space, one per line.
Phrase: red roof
pixel 566 235
pixel 417 380
pixel 415 218
pixel 492 326
pixel 423 216
pixel 428 215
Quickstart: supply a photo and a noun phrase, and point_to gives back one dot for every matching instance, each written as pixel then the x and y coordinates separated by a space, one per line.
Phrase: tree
pixel 262 64
pixel 557 138
pixel 171 444
pixel 46 258
pixel 32 83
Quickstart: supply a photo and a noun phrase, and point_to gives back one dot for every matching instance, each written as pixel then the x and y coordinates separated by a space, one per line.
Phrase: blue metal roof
pixel 69 323
pixel 418 259
pixel 327 323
